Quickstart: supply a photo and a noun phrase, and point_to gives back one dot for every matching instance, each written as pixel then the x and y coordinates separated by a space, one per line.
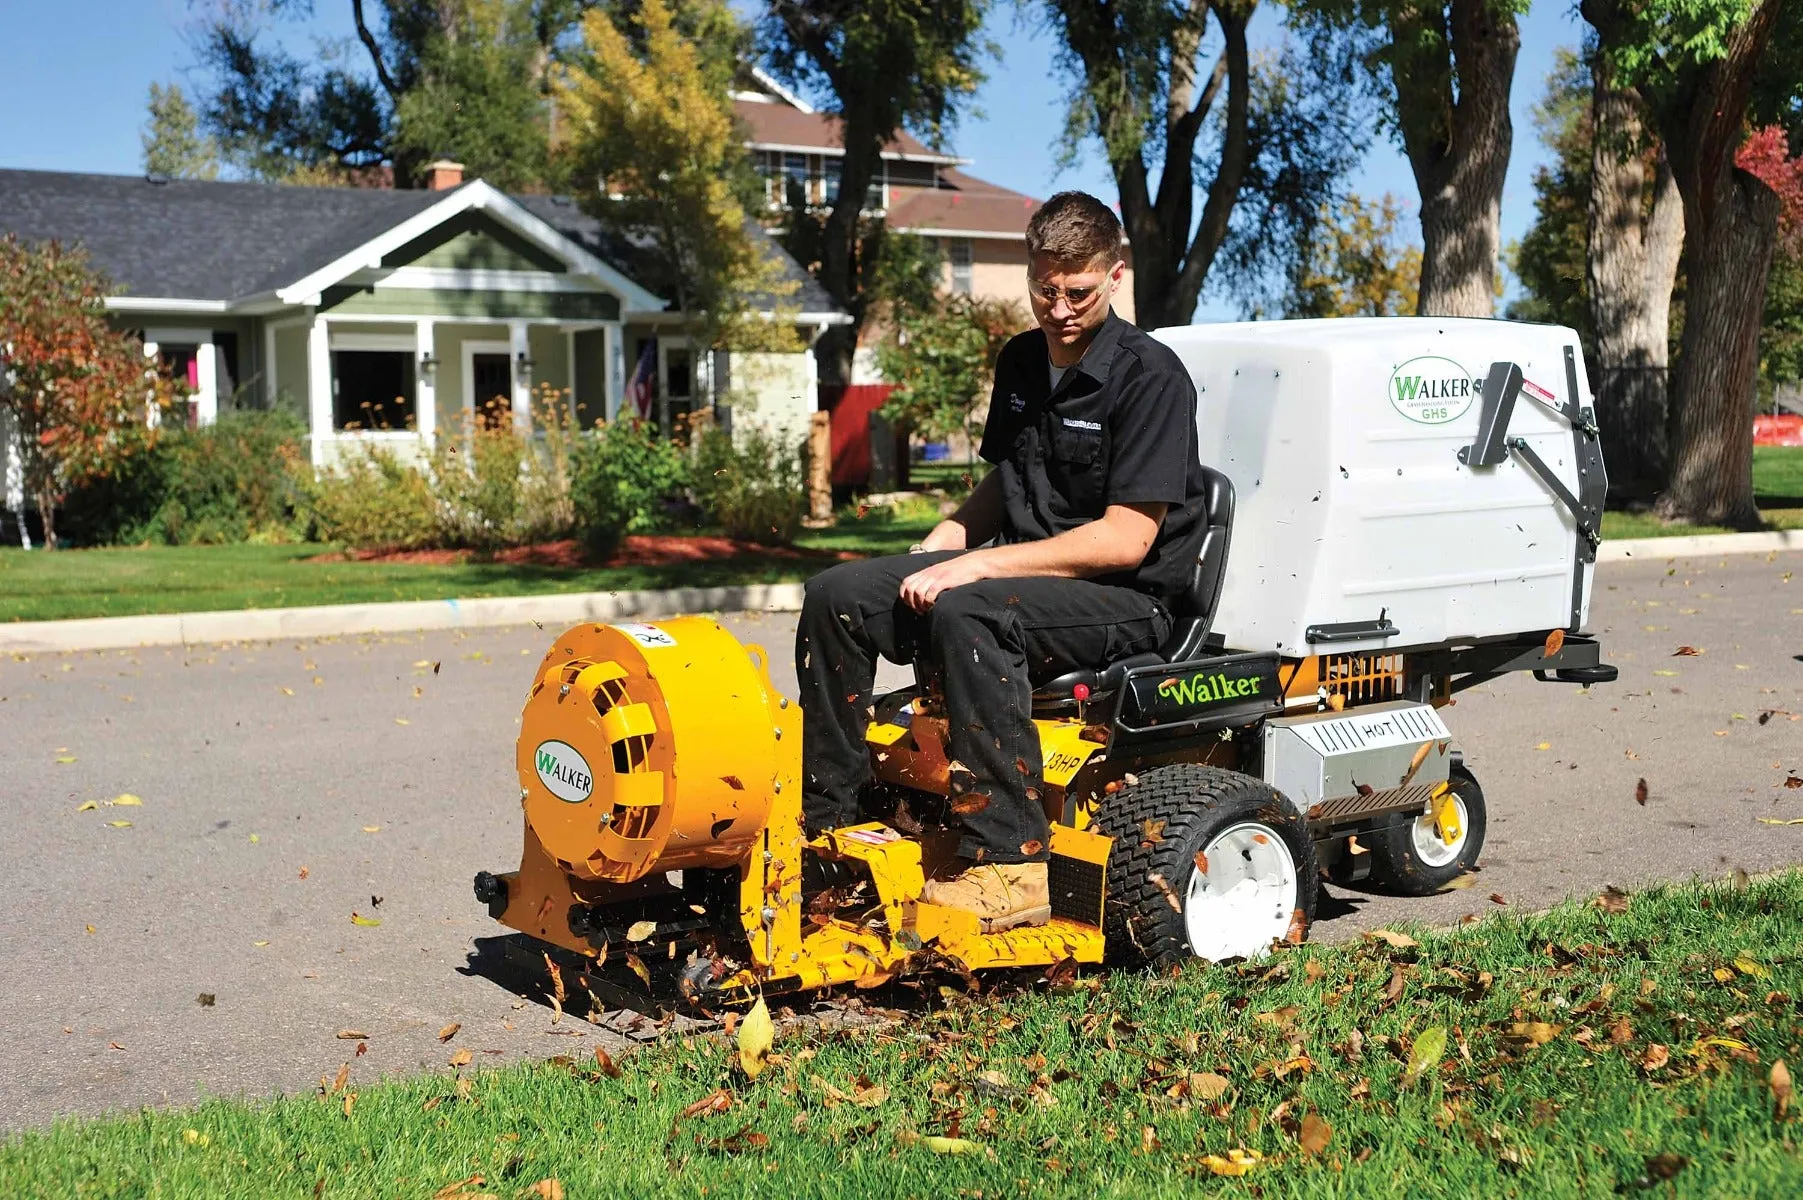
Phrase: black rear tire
pixel 1187 807
pixel 1397 865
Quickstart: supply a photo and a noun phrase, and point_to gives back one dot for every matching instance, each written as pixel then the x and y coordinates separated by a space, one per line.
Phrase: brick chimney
pixel 443 175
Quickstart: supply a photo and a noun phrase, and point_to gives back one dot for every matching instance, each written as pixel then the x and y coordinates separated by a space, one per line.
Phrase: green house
pixel 399 316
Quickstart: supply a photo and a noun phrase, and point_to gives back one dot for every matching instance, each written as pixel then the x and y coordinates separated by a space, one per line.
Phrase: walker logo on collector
pixel 563 771
pixel 1432 390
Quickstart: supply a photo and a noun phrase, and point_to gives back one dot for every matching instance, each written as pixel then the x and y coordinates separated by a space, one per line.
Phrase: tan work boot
pixel 1002 895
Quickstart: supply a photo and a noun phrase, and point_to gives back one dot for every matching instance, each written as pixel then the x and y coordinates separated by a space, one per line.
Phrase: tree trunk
pixel 1731 226
pixel 1631 260
pixel 839 244
pixel 1458 145
pixel 1718 360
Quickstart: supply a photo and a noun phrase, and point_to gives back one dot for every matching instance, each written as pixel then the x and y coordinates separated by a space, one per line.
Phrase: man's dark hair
pixel 1075 227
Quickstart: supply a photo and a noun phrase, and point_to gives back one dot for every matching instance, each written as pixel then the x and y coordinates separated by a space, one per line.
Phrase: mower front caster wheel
pixel 1419 856
pixel 1207 863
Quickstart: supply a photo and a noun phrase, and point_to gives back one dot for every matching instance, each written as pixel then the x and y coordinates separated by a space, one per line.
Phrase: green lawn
pixel 1584 1053
pixel 117 582
pixel 1777 486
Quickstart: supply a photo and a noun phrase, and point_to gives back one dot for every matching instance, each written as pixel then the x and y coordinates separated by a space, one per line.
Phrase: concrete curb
pixel 333 620
pixel 1701 544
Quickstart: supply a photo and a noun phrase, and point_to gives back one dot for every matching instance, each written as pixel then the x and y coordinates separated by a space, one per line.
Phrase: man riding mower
pixel 1120 746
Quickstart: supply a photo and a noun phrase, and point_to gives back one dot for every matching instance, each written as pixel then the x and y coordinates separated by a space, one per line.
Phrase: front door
pixel 491 377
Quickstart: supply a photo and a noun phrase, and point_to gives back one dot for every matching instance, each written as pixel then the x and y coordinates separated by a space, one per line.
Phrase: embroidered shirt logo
pixel 1015 403
pixel 1073 423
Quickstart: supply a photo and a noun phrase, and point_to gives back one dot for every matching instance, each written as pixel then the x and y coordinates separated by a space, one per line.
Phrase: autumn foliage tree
pixel 79 394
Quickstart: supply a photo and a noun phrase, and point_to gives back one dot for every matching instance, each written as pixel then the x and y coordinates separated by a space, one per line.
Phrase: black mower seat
pixel 1193 616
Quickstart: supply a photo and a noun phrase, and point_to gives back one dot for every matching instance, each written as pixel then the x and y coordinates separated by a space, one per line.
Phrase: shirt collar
pixel 1100 356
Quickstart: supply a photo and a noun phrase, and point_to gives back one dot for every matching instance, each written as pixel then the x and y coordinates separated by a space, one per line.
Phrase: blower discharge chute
pixel 1415 506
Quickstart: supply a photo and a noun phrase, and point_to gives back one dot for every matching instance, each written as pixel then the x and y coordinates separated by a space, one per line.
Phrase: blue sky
pixel 74 77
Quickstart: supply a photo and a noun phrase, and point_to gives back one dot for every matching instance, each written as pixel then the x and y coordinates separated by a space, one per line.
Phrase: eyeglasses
pixel 1079 298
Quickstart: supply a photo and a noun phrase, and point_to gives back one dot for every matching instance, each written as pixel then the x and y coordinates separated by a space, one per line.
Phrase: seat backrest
pixel 1195 612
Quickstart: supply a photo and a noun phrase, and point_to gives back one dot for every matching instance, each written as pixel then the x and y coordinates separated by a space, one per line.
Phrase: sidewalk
pixel 336 620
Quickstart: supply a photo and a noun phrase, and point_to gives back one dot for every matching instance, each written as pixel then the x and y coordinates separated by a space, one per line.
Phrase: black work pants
pixel 988 644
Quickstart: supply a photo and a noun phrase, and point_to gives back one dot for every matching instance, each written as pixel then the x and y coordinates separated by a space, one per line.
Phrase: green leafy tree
pixel 1446 69
pixel 1261 141
pixel 1357 265
pixel 650 127
pixel 466 79
pixel 941 357
pixel 174 147
pixel 79 394
pixel 887 65
pixel 1704 70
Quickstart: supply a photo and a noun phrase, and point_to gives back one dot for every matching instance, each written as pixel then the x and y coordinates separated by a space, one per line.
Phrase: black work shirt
pixel 1120 428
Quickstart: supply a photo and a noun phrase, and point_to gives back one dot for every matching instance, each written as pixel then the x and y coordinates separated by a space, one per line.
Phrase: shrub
pixel 232 481
pixel 751 485
pixel 623 474
pixel 373 500
pixel 497 487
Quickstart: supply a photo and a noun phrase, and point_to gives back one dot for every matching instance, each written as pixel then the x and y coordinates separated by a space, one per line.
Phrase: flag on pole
pixel 643 386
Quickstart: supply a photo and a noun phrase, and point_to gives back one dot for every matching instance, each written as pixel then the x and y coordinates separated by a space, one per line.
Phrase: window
pixel 372 389
pixel 957 252
pixel 832 169
pixel 795 180
pixel 679 386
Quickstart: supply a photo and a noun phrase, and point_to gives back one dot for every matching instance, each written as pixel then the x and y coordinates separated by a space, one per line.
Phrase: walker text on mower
pixel 1413 506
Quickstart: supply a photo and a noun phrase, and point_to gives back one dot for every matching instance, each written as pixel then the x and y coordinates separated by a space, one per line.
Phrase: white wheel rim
pixel 1425 835
pixel 1247 897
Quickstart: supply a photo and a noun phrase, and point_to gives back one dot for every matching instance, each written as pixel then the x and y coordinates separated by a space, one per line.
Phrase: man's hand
pixel 921 589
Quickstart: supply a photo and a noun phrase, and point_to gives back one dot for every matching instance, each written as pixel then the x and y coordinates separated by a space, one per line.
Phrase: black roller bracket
pixel 1502 386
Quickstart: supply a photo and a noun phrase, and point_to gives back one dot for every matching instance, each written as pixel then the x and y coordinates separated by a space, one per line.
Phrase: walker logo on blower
pixel 1431 390
pixel 563 771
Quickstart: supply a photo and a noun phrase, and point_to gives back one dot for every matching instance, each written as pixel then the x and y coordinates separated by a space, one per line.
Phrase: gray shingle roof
pixel 208 240
pixel 194 239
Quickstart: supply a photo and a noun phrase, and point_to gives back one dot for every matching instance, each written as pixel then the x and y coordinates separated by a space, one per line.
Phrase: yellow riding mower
pixel 1198 795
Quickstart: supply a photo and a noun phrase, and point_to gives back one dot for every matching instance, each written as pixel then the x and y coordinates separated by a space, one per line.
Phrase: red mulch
pixel 639 550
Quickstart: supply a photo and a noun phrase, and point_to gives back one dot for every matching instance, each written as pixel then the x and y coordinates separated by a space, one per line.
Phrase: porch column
pixel 425 394
pixel 521 351
pixel 319 387
pixel 206 383
pixel 616 368
pixel 269 383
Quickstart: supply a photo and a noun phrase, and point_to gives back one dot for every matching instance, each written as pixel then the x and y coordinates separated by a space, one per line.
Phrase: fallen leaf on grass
pixel 546 1189
pixel 950 1145
pixel 1401 941
pixel 710 1105
pixel 1429 1046
pixel 1612 900
pixel 1781 1089
pixel 358 919
pixel 453 1189
pixel 343 1077
pixel 1751 967
pixel 604 1063
pixel 449 1031
pixel 1534 1033
pixel 1238 1161
pixel 1315 1135
pixel 1206 1085
pixel 757 1033
pixel 1656 1056
pixel 461 1058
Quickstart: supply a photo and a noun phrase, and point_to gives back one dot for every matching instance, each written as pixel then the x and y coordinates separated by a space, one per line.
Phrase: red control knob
pixel 1080 691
